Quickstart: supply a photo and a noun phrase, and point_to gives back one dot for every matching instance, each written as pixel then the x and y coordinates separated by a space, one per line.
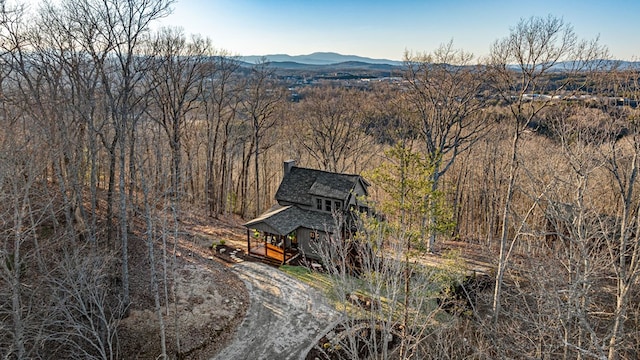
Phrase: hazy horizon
pixel 385 30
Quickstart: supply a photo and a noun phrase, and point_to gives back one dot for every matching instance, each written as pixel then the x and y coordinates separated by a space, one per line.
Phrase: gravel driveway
pixel 285 317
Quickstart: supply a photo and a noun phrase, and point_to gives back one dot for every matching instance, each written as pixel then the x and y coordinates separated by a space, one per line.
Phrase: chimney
pixel 288 165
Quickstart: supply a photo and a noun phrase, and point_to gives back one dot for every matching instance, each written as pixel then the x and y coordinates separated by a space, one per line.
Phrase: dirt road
pixel 284 319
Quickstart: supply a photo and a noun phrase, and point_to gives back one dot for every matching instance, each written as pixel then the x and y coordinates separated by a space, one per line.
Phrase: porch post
pixel 248 241
pixel 284 243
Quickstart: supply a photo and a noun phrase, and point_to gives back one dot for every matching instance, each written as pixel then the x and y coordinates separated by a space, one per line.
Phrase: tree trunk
pixel 16 292
pixel 124 231
pixel 256 162
pixel 111 190
pixel 152 267
pixel 502 260
pixel 624 279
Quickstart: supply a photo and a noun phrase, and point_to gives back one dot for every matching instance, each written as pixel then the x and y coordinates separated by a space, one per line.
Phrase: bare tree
pixel 260 102
pixel 383 315
pixel 623 162
pixel 445 92
pixel 18 177
pixel 331 127
pixel 520 65
pixel 576 231
pixel 85 305
pixel 125 24
pixel 220 105
pixel 176 83
pixel 151 240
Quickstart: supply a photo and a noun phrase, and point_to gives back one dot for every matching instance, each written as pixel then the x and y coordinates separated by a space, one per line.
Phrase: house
pixel 308 201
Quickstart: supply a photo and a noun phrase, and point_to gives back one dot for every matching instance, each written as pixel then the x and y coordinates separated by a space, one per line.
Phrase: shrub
pixel 215 244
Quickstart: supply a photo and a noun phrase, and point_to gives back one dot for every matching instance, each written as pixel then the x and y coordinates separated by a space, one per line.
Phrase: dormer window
pixel 328 205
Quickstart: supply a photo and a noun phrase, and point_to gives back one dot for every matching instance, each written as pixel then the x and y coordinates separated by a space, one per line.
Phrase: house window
pixel 337 205
pixel 327 205
pixel 319 204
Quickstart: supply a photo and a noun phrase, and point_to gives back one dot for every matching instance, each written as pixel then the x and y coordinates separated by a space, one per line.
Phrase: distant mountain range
pixel 331 61
pixel 319 58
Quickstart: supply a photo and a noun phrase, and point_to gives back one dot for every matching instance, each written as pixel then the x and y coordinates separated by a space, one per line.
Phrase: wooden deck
pixel 271 252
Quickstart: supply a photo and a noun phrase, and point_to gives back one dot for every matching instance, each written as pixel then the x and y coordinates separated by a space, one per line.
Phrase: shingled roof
pixel 295 200
pixel 300 185
pixel 283 220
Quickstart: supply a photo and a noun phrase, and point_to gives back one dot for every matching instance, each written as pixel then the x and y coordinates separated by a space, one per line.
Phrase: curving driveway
pixel 285 317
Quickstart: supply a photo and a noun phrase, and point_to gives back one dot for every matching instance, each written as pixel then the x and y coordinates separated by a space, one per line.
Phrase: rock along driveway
pixel 285 319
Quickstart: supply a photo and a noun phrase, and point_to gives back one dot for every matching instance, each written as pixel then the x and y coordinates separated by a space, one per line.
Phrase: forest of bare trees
pixel 107 123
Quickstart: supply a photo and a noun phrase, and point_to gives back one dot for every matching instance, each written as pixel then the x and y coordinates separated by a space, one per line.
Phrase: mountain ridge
pixel 333 58
pixel 324 61
pixel 319 58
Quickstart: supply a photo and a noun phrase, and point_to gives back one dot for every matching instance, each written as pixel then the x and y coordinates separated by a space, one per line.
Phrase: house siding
pixel 358 191
pixel 307 245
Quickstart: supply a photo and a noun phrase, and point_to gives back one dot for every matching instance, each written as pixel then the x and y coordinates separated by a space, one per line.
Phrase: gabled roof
pixel 300 185
pixel 283 220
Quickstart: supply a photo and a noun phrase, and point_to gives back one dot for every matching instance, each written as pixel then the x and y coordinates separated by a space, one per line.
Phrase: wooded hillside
pixel 106 123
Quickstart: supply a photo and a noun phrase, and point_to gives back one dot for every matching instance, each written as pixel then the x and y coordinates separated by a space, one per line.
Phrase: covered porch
pixel 271 238
pixel 271 246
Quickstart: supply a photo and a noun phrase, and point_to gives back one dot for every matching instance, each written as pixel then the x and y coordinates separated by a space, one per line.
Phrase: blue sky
pixel 385 29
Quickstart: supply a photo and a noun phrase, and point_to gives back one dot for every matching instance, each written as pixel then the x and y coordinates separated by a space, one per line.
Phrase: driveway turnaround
pixel 284 320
